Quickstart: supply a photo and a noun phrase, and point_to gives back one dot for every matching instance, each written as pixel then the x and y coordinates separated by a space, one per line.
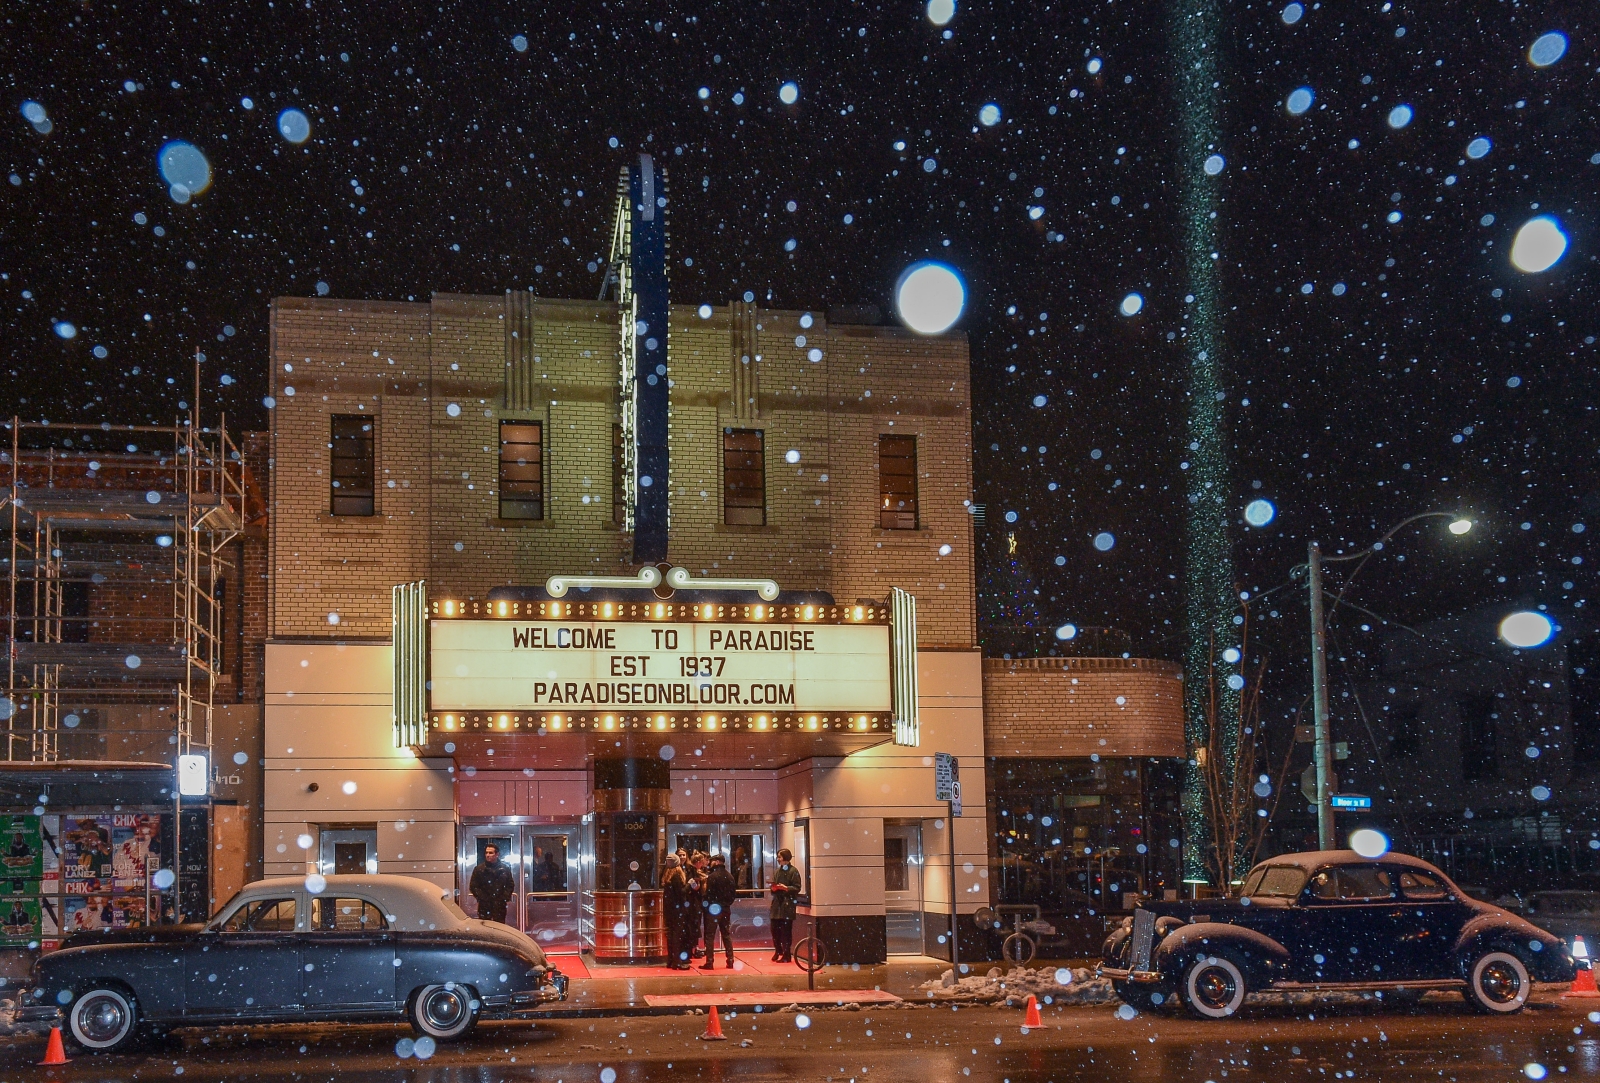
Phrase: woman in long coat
pixel 674 902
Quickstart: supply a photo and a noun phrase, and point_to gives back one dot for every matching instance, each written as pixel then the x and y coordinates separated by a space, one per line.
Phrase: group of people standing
pixel 697 895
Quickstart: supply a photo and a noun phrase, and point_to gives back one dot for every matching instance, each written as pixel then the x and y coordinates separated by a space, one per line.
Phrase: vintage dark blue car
pixel 343 948
pixel 1332 920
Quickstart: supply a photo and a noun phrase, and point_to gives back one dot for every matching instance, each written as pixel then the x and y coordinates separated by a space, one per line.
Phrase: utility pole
pixel 1321 747
pixel 955 918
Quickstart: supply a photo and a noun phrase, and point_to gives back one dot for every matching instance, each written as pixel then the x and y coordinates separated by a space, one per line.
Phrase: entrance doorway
pixel 546 861
pixel 748 849
pixel 902 888
pixel 350 848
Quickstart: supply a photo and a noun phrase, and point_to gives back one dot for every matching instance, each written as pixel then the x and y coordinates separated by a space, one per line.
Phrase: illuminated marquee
pixel 554 666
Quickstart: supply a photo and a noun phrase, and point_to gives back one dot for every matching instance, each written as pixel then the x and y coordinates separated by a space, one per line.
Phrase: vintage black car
pixel 1331 920
pixel 287 949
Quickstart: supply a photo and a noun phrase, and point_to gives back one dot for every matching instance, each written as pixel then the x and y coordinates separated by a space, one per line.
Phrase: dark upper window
pixel 897 482
pixel 1583 661
pixel 744 477
pixel 1480 758
pixel 521 470
pixel 351 464
pixel 1403 728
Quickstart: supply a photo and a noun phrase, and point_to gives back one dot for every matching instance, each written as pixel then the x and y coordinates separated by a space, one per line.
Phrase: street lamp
pixel 1321 749
pixel 1526 629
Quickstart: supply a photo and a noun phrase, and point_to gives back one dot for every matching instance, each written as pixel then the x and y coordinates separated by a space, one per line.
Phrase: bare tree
pixel 1240 802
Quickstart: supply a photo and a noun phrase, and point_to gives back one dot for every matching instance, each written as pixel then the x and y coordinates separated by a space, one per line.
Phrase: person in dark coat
pixel 785 890
pixel 694 916
pixel 492 885
pixel 717 901
pixel 674 904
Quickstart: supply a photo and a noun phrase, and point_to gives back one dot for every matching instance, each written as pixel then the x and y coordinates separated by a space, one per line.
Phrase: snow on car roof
pixel 408 902
pixel 1317 859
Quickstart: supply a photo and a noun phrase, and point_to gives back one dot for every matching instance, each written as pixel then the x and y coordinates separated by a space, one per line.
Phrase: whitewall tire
pixel 1498 983
pixel 444 1012
pixel 103 1019
pixel 1213 987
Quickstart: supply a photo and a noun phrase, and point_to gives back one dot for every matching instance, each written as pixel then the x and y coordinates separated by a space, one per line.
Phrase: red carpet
pixel 777 999
pixel 750 963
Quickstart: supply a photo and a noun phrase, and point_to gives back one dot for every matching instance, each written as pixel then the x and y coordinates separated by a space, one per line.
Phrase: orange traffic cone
pixel 1583 983
pixel 54 1053
pixel 713 1028
pixel 1031 1019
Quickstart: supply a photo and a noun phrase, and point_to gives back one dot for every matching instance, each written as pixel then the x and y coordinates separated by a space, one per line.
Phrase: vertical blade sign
pixel 648 253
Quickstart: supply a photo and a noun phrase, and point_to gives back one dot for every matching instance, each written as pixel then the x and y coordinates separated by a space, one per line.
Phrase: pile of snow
pixel 1051 985
pixel 1079 985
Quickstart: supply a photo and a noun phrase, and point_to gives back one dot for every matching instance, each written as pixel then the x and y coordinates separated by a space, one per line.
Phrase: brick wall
pixel 1077 707
pixel 434 376
pixel 256 450
pixel 331 575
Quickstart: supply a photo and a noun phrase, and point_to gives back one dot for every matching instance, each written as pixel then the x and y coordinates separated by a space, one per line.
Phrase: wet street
pixel 1440 1041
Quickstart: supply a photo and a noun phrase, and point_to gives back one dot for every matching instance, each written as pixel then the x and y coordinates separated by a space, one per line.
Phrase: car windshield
pixel 1275 882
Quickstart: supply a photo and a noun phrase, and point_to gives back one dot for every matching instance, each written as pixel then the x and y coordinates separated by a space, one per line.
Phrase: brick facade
pixel 1043 708
pixel 434 376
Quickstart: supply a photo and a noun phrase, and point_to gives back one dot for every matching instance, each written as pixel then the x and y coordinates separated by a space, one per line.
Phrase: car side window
pixel 1324 885
pixel 268 916
pixel 1421 885
pixel 346 916
pixel 1365 882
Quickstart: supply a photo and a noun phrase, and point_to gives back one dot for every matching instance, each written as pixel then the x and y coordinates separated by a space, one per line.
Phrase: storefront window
pixel 1074 837
pixel 547 864
pixel 746 861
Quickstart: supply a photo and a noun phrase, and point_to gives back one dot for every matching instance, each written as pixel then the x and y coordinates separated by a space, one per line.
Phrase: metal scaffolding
pixel 118 549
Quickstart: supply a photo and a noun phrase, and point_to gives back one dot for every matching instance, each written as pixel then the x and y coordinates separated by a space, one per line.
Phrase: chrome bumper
pixel 553 989
pixel 37 1017
pixel 1143 977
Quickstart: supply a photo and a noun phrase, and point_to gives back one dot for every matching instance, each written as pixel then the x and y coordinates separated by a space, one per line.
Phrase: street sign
pixel 945 772
pixel 1349 801
pixel 955 801
pixel 1308 782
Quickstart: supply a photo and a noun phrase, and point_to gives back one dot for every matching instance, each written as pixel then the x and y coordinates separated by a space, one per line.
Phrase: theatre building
pixel 594 580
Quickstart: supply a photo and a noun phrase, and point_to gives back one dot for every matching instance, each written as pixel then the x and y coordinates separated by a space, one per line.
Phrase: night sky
pixel 1383 356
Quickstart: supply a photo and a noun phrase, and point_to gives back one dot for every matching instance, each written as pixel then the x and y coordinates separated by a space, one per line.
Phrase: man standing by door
pixel 720 891
pixel 785 890
pixel 492 885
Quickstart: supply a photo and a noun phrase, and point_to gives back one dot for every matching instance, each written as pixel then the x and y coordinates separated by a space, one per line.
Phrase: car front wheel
pixel 103 1019
pixel 444 1012
pixel 1498 983
pixel 1213 987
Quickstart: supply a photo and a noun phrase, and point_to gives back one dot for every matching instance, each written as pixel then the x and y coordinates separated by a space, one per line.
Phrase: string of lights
pixel 1208 558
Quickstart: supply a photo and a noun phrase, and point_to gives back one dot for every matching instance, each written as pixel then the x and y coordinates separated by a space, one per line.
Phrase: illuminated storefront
pixel 591 579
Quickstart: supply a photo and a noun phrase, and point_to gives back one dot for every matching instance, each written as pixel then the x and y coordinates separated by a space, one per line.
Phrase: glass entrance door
pixel 474 842
pixel 749 851
pixel 550 870
pixel 902 888
pixel 545 860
